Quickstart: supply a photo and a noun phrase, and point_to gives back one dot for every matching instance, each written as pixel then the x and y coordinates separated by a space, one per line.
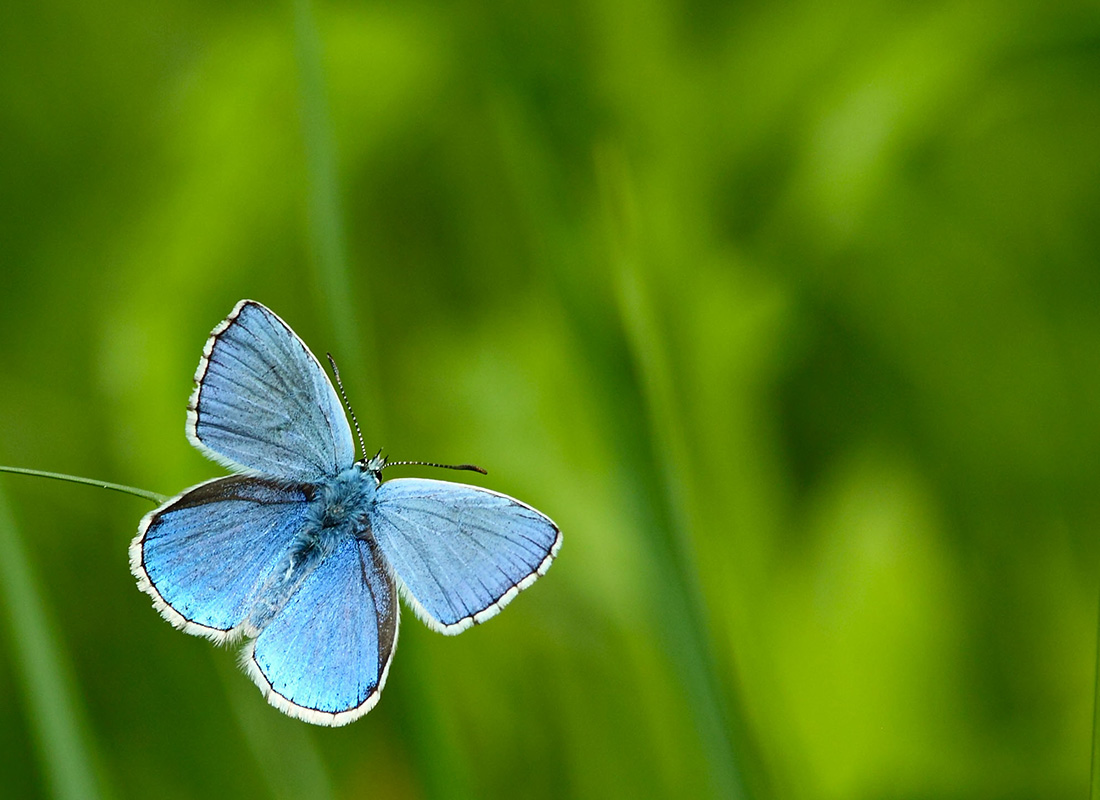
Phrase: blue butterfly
pixel 304 549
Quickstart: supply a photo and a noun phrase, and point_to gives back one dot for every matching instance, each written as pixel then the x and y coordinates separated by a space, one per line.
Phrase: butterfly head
pixel 374 465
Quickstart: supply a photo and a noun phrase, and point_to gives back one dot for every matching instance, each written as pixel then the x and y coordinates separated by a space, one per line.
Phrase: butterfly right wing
pixel 205 555
pixel 264 404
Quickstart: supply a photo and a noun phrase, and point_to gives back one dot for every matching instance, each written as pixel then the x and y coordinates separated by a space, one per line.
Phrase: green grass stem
pixel 114 487
pixel 684 613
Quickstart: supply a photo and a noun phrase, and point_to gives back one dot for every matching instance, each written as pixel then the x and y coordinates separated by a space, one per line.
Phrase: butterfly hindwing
pixel 323 658
pixel 204 556
pixel 460 552
pixel 263 402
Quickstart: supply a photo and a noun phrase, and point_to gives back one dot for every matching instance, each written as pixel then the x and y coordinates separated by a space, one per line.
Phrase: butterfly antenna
pixel 467 467
pixel 344 396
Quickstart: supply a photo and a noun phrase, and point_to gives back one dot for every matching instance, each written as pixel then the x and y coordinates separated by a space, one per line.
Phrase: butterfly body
pixel 304 551
pixel 338 511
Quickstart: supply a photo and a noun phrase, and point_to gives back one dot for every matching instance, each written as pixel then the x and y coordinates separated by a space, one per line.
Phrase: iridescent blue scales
pixel 303 551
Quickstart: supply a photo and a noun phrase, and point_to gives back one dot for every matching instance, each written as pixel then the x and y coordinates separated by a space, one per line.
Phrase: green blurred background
pixel 788 313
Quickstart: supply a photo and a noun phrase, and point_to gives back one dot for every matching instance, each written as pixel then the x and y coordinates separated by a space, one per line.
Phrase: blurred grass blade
pixel 326 218
pixel 684 614
pixel 285 750
pixel 50 698
pixel 115 487
pixel 1094 783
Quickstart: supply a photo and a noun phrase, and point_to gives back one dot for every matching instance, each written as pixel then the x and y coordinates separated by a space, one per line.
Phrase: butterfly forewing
pixel 264 404
pixel 204 556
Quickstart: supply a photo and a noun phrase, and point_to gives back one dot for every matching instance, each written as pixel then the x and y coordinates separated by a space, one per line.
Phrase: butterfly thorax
pixel 340 502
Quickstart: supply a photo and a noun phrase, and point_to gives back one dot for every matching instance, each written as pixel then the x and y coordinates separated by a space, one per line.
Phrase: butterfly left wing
pixel 324 656
pixel 264 404
pixel 460 553
pixel 204 555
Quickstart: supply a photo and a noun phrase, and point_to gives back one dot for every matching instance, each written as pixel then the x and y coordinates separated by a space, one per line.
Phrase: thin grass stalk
pixel 684 613
pixel 114 487
pixel 65 751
